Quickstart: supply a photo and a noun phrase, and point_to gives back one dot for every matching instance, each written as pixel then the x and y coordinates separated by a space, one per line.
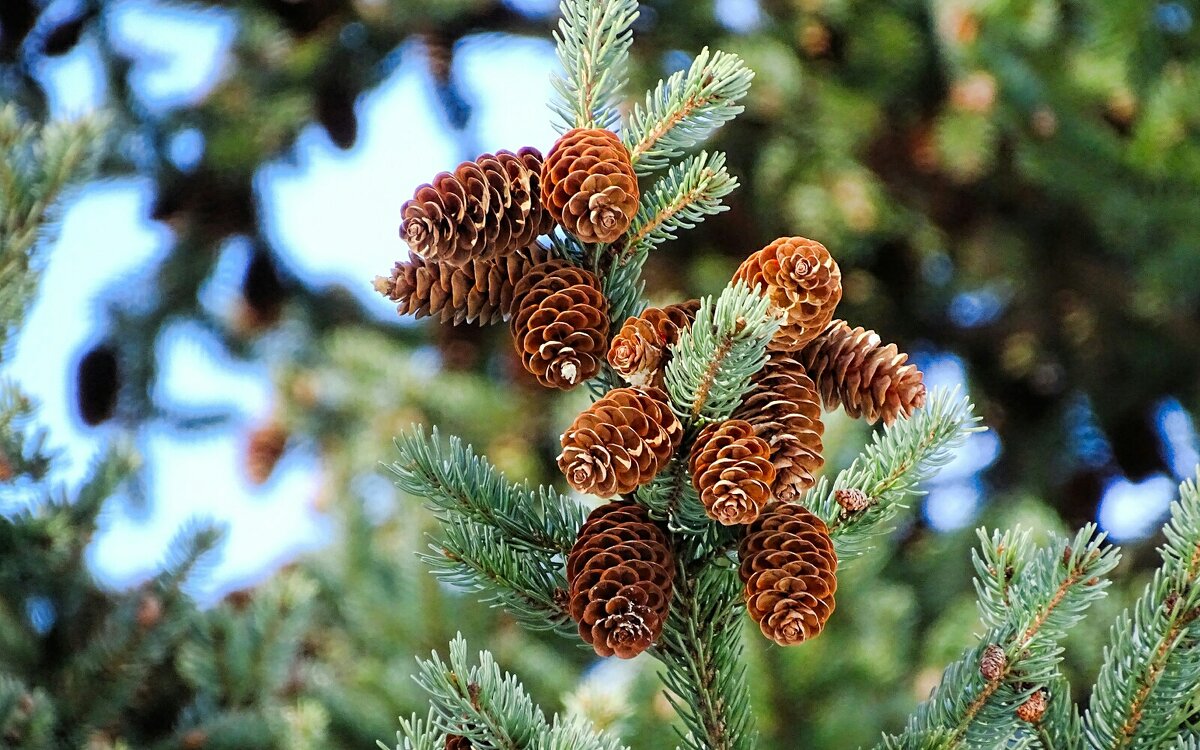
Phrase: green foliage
pixel 593 48
pixel 1150 681
pixel 890 468
pixel 690 191
pixel 685 109
pixel 713 361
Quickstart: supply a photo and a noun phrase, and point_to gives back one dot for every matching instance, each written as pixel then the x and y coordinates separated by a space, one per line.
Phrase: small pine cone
pixel 1034 707
pixel 731 469
pixel 457 742
pixel 992 663
pixel 488 207
pixel 264 448
pixel 620 442
pixel 803 283
pixel 853 369
pixel 639 350
pixel 785 410
pixel 852 500
pixel 620 571
pixel 560 324
pixel 790 571
pixel 588 185
pixel 478 291
pixel 7 472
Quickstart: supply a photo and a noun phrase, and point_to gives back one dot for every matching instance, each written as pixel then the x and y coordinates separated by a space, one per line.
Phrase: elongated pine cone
pixel 264 448
pixel 789 570
pixel 731 469
pixel 620 442
pixel 620 572
pixel 479 291
pixel 855 370
pixel 588 185
pixel 803 283
pixel 487 207
pixel 639 350
pixel 784 408
pixel 560 324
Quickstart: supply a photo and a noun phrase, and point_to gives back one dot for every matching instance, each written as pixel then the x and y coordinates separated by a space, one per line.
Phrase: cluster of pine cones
pixel 476 260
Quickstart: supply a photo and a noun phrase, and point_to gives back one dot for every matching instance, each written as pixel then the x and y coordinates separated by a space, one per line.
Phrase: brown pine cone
pixel 588 185
pixel 488 207
pixel 264 448
pixel 620 571
pixel 479 291
pixel 785 409
pixel 803 283
pixel 731 469
pixel 790 571
pixel 639 350
pixel 853 369
pixel 560 324
pixel 620 442
pixel 457 742
pixel 1034 707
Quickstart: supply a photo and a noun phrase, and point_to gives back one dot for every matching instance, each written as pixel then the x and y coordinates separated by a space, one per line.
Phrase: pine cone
pixel 790 571
pixel 639 350
pixel 785 410
pixel 993 662
pixel 457 742
pixel 560 324
pixel 588 185
pixel 854 370
pixel 488 207
pixel 620 572
pixel 802 282
pixel 263 450
pixel 1034 707
pixel 731 469
pixel 479 291
pixel 620 442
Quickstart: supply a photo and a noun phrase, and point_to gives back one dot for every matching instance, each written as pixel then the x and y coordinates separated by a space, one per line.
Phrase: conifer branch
pixel 418 734
pixel 977 705
pixel 713 361
pixel 685 109
pixel 593 41
pixel 1150 679
pixel 689 192
pixel 701 648
pixel 888 471
pixel 491 708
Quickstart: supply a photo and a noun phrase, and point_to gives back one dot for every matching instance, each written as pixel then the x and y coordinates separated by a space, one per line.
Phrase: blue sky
pixel 334 216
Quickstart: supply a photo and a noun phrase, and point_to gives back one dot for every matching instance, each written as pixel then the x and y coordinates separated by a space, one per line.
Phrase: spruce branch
pixel 701 648
pixel 457 483
pixel 418 734
pixel 593 41
pixel 713 361
pixel 1050 595
pixel 684 109
pixel 888 471
pixel 681 199
pixel 491 708
pixel 1149 682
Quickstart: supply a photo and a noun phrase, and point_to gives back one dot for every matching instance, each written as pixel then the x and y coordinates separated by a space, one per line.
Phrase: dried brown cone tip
pixel 560 324
pixel 479 291
pixel 264 448
pixel 803 283
pixel 487 207
pixel 620 442
pixel 1034 707
pixel 992 663
pixel 639 350
pixel 588 185
pixel 855 370
pixel 790 573
pixel 785 410
pixel 731 469
pixel 620 572
pixel 457 742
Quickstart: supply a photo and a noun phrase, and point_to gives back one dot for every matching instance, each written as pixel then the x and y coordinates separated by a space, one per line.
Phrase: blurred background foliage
pixel 1011 187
